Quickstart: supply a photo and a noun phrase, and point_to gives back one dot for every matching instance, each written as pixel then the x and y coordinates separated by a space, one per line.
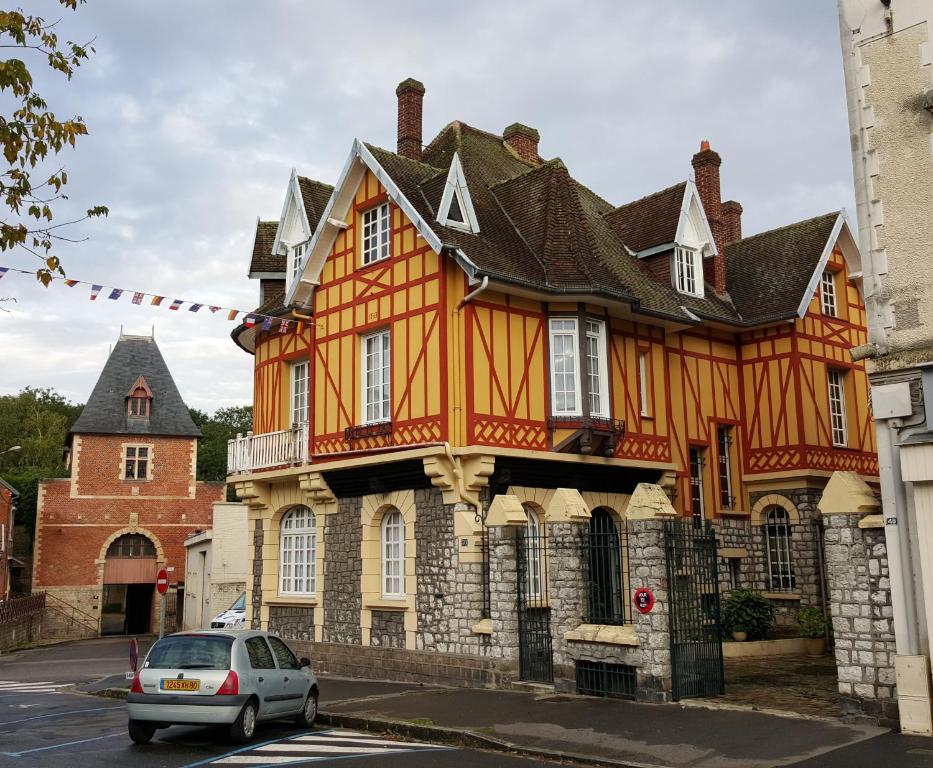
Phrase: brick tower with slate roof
pixel 131 499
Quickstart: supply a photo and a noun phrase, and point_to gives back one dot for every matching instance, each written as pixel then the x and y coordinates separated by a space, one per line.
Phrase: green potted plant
pixel 812 625
pixel 747 615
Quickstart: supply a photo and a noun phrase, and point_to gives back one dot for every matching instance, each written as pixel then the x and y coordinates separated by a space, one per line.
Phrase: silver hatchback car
pixel 234 678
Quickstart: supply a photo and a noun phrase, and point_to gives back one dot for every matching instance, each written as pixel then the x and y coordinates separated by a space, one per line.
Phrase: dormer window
pixel 456 207
pixel 688 270
pixel 139 400
pixel 296 257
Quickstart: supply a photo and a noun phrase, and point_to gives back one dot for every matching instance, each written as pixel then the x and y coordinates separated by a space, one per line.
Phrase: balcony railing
pixel 249 452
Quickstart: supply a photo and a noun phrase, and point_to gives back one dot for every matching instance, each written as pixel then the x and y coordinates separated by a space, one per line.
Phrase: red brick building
pixel 132 498
pixel 8 496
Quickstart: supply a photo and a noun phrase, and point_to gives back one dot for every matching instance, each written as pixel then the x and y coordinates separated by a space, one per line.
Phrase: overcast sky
pixel 198 111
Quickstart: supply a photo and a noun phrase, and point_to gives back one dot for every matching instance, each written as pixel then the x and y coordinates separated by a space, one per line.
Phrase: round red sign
pixel 162 582
pixel 643 599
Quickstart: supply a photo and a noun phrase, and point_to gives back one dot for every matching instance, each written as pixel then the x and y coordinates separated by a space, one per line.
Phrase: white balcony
pixel 249 452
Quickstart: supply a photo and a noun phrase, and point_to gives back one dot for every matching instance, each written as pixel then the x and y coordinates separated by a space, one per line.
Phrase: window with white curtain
pixel 299 393
pixel 565 368
pixel 376 234
pixel 534 555
pixel 828 294
pixel 837 407
pixel 643 382
pixel 376 377
pixel 597 368
pixel 780 562
pixel 393 554
pixel 297 552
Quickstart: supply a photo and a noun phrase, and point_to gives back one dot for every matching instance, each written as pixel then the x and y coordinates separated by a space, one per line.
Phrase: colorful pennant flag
pixel 156 300
pixel 71 283
pixel 283 326
pixel 95 289
pixel 249 321
pixel 115 294
pixel 138 297
pixel 176 303
pixel 267 323
pixel 231 315
pixel 195 307
pixel 214 310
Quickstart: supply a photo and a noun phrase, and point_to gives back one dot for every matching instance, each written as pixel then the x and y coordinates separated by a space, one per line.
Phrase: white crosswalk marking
pixel 321 746
pixel 11 686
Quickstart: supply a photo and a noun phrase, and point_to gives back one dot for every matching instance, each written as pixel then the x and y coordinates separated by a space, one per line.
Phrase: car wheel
pixel 140 733
pixel 244 727
pixel 308 714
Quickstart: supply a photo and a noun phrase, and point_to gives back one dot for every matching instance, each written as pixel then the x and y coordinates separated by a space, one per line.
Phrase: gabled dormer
pixel 693 243
pixel 456 207
pixel 139 400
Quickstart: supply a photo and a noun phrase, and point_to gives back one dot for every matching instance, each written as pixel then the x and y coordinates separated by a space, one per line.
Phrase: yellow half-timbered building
pixel 486 389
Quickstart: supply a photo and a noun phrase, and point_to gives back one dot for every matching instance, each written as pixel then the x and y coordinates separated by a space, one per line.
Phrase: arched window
pixel 131 545
pixel 393 554
pixel 778 536
pixel 298 552
pixel 607 562
pixel 534 555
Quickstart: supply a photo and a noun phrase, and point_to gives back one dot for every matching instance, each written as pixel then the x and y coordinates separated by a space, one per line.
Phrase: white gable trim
pixel 293 192
pixel 338 207
pixel 692 193
pixel 850 253
pixel 456 185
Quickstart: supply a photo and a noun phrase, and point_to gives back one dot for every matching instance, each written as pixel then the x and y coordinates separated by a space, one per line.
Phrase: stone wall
pixel 343 567
pixel 72 613
pixel 258 539
pixel 292 622
pixel 439 616
pixel 388 629
pixel 862 616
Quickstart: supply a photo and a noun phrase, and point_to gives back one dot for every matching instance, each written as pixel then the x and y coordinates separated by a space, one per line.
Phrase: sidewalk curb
pixel 469 739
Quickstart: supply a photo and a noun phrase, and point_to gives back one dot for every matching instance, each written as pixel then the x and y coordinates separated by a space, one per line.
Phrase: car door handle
pixel 262 679
pixel 286 679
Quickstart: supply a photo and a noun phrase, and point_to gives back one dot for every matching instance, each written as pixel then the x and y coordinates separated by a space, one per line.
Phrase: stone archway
pixel 130 563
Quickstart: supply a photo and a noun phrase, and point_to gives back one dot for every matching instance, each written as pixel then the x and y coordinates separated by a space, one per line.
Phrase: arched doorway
pixel 129 582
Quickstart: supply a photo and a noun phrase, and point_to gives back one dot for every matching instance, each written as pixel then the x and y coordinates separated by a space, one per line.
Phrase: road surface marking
pixel 323 745
pixel 11 686
pixel 57 714
pixel 59 746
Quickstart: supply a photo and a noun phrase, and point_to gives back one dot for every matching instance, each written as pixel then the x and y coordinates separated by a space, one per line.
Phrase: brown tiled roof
pixel 650 221
pixel 263 259
pixel 767 274
pixel 315 195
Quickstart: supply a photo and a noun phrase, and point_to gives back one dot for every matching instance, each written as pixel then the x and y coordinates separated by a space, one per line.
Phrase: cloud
pixel 198 111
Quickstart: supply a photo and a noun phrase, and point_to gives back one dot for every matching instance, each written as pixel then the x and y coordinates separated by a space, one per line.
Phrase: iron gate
pixel 535 659
pixel 693 585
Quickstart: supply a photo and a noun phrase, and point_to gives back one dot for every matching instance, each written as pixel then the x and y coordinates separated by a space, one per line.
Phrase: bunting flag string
pixel 248 318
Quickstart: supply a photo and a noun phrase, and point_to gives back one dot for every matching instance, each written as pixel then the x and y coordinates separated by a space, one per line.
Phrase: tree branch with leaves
pixel 31 135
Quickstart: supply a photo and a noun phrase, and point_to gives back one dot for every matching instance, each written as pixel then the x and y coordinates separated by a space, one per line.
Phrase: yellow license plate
pixel 179 685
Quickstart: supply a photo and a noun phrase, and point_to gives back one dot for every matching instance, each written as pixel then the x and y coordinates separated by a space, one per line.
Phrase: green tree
pixel 31 136
pixel 218 429
pixel 38 421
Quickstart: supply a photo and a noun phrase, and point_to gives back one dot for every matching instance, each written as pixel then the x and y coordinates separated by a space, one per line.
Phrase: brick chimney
pixel 731 218
pixel 523 140
pixel 410 97
pixel 706 164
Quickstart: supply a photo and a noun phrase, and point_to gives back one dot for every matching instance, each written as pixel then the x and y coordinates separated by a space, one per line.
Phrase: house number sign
pixel 643 599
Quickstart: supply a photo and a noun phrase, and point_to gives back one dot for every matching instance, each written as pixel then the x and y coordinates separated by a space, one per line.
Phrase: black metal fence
pixel 535 654
pixel 597 678
pixel 605 558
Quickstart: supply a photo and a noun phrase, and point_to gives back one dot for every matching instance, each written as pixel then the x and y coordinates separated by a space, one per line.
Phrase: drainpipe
pixel 896 537
pixel 484 284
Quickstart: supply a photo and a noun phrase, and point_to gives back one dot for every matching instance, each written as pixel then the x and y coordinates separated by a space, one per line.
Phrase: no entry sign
pixel 643 599
pixel 162 582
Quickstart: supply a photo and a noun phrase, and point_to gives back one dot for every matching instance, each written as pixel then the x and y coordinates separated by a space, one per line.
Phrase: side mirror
pixel 304 662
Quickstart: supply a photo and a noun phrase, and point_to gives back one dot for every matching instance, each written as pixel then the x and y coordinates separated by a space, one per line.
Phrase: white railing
pixel 249 452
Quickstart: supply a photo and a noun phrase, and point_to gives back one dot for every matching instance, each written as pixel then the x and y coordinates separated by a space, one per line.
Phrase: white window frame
pixel 136 458
pixel 828 294
pixel 392 548
pixel 2 537
pixel 376 239
pixel 599 399
pixel 724 437
pixel 534 555
pixel 295 256
pixel 688 270
pixel 836 385
pixel 298 552
pixel 778 543
pixel 643 382
pixel 565 327
pixel 376 411
pixel 300 393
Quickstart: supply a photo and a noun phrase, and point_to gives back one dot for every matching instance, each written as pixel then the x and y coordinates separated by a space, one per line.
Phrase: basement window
pixel 597 678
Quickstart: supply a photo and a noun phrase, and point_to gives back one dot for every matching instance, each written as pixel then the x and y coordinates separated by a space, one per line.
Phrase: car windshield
pixel 191 652
pixel 240 604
